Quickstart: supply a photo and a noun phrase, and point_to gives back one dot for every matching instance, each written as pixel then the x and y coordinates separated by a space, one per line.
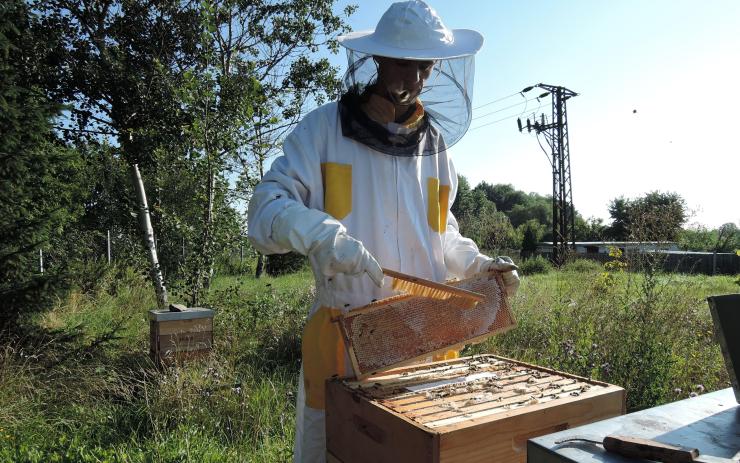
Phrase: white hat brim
pixel 465 42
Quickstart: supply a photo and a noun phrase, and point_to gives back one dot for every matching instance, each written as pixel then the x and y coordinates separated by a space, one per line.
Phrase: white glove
pixel 344 254
pixel 325 241
pixel 508 270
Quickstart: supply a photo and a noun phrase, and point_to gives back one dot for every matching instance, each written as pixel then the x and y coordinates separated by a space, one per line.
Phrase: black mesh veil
pixel 447 99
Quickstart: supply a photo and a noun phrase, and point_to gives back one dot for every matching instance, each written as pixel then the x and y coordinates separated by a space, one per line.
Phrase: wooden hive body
pixel 176 336
pixel 474 409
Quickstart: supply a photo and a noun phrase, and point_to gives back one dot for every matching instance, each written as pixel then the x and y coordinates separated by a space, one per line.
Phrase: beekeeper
pixel 368 181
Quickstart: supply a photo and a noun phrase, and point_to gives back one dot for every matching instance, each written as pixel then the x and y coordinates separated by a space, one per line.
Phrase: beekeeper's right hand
pixel 325 241
pixel 345 254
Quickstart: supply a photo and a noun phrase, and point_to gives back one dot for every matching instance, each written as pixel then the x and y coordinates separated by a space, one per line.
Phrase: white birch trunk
pixel 146 226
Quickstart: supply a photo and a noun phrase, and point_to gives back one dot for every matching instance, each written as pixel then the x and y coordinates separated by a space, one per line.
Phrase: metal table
pixel 710 423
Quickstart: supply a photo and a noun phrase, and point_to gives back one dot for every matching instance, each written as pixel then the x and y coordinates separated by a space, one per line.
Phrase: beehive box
pixel 176 336
pixel 473 409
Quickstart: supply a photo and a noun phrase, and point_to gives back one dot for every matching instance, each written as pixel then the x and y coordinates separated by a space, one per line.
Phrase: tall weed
pixel 647 331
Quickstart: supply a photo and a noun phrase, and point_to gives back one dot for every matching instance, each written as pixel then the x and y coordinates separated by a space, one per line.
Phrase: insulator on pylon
pixel 519 124
pixel 529 126
pixel 542 118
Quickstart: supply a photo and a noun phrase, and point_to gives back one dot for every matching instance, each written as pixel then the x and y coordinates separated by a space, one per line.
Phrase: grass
pixel 84 389
pixel 87 391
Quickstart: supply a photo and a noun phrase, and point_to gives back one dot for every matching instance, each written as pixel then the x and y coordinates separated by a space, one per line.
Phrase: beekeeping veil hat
pixel 412 30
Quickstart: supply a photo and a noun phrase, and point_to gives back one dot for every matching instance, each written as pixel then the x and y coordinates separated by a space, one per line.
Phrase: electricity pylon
pixel 556 134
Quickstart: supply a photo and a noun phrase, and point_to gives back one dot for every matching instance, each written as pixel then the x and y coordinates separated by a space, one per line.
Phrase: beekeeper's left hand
pixel 508 269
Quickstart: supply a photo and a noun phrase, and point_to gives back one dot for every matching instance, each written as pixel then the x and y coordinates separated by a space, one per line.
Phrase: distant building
pixel 602 247
pixel 708 263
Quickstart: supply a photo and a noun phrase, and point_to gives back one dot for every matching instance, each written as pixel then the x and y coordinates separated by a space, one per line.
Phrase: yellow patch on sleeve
pixel 337 189
pixel 438 204
pixel 433 203
pixel 444 206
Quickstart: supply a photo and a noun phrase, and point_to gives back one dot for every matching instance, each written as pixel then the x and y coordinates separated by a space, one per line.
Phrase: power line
pixel 505 108
pixel 547 155
pixel 497 100
pixel 495 122
pixel 498 120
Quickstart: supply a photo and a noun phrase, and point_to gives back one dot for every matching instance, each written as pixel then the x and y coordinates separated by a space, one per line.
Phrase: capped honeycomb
pixel 403 329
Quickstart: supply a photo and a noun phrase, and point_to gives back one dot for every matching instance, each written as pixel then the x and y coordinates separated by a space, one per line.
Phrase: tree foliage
pixel 656 216
pixel 726 238
pixel 591 229
pixel 198 93
pixel 504 196
pixel 532 207
pixel 532 232
pixel 39 183
pixel 480 221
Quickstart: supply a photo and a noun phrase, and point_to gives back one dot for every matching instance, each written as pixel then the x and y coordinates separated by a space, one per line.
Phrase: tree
pixel 619 212
pixel 654 217
pixel 38 175
pixel 505 197
pixel 489 228
pixel 534 207
pixel 657 216
pixel 532 232
pixel 728 238
pixel 176 86
pixel 697 238
pixel 591 229
pixel 118 67
pixel 470 203
pixel 278 52
pixel 108 207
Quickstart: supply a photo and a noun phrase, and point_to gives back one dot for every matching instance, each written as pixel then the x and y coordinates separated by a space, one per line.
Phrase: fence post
pixel 108 246
pixel 714 263
pixel 41 260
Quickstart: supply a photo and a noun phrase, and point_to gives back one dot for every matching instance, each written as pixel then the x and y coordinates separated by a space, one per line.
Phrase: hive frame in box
pixel 403 330
pixel 416 415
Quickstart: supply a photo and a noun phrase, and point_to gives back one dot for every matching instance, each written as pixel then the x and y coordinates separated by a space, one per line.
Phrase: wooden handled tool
pixel 637 447
pixel 426 288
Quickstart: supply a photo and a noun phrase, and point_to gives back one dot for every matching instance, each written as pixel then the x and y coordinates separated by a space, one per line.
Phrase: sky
pixel 658 85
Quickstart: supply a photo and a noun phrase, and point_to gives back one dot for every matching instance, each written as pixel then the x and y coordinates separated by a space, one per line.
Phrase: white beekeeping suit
pixel 357 188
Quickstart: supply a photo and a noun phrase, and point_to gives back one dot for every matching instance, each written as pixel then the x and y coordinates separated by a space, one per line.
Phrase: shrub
pixel 535 265
pixel 583 266
pixel 228 265
pixel 282 264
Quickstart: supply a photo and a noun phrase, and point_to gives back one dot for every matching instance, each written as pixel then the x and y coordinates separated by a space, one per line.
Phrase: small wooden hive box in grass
pixel 474 409
pixel 179 335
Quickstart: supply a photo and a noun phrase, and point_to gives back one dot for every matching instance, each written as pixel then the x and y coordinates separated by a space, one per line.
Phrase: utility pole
pixel 555 132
